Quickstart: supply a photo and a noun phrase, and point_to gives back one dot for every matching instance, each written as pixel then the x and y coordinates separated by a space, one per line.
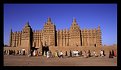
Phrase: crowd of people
pixel 112 54
pixel 60 54
pixel 85 54
pixel 13 52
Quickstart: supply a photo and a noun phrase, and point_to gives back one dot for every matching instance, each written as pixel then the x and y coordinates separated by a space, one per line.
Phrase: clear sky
pixel 88 16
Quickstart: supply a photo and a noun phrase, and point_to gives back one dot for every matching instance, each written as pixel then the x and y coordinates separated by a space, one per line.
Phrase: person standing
pixel 89 53
pixel 101 53
pixel 66 54
pixel 80 53
pixel 70 53
pixel 115 53
pixel 61 54
pixel 94 53
pixel 48 54
pixel 110 54
pixel 55 55
pixel 44 53
pixel 84 54
pixel 33 53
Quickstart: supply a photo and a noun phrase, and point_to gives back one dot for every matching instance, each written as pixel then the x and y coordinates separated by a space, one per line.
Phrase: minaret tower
pixel 49 33
pixel 99 39
pixel 26 41
pixel 75 37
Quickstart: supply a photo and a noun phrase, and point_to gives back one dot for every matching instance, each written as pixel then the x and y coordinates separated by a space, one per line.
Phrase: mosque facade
pixel 29 39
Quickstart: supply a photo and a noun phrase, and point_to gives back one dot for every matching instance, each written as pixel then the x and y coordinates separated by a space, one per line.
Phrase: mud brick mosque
pixel 54 40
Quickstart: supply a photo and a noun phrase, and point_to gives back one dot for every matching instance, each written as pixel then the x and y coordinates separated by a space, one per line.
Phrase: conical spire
pixel 49 19
pixel 98 27
pixel 74 21
pixel 74 25
pixel 11 30
pixel 27 24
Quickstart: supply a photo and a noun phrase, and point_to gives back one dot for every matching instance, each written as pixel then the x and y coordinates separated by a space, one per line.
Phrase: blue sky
pixel 88 16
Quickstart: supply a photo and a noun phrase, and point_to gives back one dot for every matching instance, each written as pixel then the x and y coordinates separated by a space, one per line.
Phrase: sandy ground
pixel 10 60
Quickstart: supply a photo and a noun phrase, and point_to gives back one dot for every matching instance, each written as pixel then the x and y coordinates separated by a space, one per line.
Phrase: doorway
pixel 45 49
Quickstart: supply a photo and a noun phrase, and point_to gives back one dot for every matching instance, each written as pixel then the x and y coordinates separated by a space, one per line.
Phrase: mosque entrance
pixel 44 50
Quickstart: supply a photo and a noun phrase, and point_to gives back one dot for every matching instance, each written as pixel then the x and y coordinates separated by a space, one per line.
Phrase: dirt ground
pixel 11 60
